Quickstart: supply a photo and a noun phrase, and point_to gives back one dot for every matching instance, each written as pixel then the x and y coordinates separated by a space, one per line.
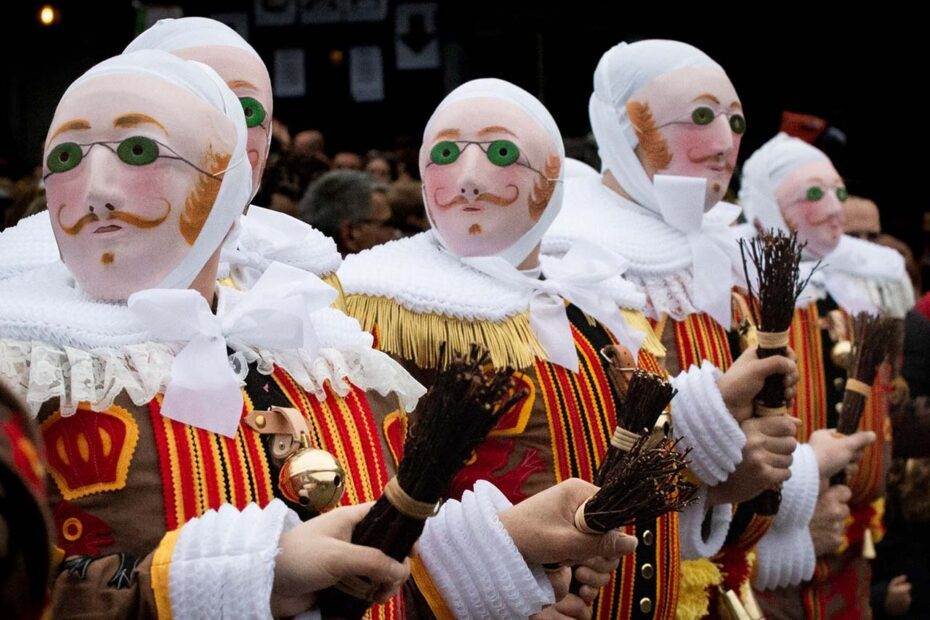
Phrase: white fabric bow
pixel 275 314
pixel 713 245
pixel 580 277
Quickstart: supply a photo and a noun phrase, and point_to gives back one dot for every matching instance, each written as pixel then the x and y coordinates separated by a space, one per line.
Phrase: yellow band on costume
pixel 772 340
pixel 859 387
pixel 160 572
pixel 428 589
pixel 406 505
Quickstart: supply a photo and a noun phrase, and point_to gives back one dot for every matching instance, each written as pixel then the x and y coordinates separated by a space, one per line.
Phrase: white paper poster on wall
pixel 416 44
pixel 289 73
pixel 275 12
pixel 366 73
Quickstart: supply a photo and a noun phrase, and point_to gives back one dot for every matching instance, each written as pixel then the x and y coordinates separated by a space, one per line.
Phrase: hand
pixel 317 554
pixel 767 457
pixel 740 385
pixel 898 596
pixel 829 520
pixel 569 607
pixel 835 451
pixel 594 574
pixel 543 528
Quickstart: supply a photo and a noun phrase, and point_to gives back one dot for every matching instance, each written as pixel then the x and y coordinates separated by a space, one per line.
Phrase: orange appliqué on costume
pixel 514 421
pixel 79 532
pixel 492 457
pixel 395 431
pixel 90 451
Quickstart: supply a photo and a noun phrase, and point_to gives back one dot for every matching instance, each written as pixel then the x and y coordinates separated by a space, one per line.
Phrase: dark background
pixel 862 71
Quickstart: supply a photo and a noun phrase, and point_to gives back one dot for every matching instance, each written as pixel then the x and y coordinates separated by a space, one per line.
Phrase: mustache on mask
pixel 130 218
pixel 707 159
pixel 482 197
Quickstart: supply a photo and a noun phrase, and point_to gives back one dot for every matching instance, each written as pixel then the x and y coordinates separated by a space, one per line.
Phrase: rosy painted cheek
pixel 686 144
pixel 255 145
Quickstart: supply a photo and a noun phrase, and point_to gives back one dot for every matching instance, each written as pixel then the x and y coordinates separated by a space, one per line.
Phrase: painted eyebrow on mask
pixel 233 84
pixel 75 125
pixel 496 129
pixel 448 133
pixel 707 96
pixel 135 119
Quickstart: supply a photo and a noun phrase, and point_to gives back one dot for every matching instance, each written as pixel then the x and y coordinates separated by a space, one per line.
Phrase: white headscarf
pixel 492 88
pixel 765 170
pixel 677 200
pixel 861 276
pixel 622 71
pixel 236 185
pixel 581 276
pixel 177 34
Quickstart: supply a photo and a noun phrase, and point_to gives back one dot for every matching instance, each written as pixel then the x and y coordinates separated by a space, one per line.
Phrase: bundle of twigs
pixel 464 403
pixel 775 257
pixel 874 339
pixel 646 396
pixel 641 473
pixel 645 483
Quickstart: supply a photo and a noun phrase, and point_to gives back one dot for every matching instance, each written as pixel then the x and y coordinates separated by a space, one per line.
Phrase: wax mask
pixel 247 77
pixel 811 200
pixel 689 122
pixel 133 165
pixel 489 171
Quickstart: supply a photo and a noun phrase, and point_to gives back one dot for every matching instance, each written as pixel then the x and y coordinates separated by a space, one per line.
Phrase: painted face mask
pixel 689 123
pixel 665 107
pixel 491 161
pixel 789 184
pixel 811 200
pixel 144 173
pixel 217 45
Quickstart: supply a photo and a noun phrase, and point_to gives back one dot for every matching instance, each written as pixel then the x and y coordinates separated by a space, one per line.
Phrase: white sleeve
pixel 222 564
pixel 693 545
pixel 703 423
pixel 786 552
pixel 475 565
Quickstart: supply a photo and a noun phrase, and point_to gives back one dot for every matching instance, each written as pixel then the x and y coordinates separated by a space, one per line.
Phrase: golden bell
pixel 841 353
pixel 312 478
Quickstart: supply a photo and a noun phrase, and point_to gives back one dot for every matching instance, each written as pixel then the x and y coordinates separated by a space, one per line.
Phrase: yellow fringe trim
pixel 417 336
pixel 333 280
pixel 697 578
pixel 652 343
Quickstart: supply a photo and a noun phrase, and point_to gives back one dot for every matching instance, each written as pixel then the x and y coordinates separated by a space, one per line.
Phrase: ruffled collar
pixel 56 342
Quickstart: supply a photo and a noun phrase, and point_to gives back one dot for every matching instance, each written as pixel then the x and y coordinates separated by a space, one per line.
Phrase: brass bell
pixel 841 353
pixel 312 477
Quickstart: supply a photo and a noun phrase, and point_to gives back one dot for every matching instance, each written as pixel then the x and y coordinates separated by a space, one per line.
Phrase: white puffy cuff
pixel 786 552
pixel 222 564
pixel 799 493
pixel 704 424
pixel 474 563
pixel 693 544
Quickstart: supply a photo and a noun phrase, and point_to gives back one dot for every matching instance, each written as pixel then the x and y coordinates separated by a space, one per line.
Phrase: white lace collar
pixel 862 276
pixel 660 263
pixel 55 342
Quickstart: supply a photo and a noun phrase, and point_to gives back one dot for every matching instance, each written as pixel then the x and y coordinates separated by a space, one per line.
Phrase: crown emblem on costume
pixel 90 451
